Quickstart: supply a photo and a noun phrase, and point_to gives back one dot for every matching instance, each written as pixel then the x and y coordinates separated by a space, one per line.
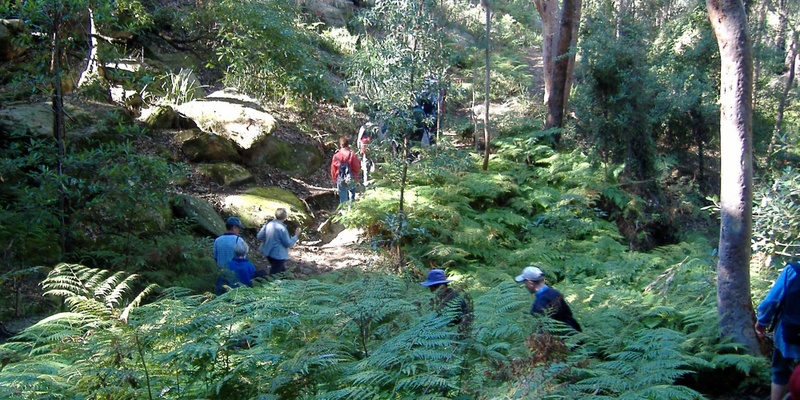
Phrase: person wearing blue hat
pixel 448 300
pixel 223 245
pixel 548 301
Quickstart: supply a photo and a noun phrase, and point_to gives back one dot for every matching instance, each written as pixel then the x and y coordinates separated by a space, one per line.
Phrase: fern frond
pixel 114 288
pixel 137 301
pixel 744 363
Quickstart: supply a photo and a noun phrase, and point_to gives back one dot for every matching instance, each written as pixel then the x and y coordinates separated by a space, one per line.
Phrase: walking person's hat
pixel 530 273
pixel 234 221
pixel 435 277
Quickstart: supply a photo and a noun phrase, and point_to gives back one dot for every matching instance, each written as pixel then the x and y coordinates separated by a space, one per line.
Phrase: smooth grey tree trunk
pixel 735 308
pixel 487 84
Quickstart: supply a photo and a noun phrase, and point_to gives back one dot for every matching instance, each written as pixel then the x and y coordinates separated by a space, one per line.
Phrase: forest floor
pixel 311 255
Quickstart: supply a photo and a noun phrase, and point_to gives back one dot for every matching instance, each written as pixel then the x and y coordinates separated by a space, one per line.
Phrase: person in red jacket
pixel 345 167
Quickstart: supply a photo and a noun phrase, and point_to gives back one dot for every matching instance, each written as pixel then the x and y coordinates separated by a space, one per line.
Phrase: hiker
pixel 779 308
pixel 223 245
pixel 345 167
pixel 243 270
pixel 548 301
pixel 447 299
pixel 365 135
pixel 239 270
pixel 277 242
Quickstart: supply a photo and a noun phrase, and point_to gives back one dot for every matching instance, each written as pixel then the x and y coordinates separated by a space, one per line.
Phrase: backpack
pixel 790 320
pixel 345 176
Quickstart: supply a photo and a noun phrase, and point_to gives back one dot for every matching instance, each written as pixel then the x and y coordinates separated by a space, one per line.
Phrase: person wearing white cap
pixel 548 300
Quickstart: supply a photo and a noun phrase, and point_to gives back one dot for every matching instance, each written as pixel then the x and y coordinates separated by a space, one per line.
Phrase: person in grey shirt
pixel 277 242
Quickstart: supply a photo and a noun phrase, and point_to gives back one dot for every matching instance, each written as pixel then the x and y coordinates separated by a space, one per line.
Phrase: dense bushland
pixel 636 170
pixel 359 334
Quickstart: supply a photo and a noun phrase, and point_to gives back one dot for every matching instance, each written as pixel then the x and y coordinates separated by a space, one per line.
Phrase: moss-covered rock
pixel 225 173
pixel 258 204
pixel 96 121
pixel 206 148
pixel 159 117
pixel 35 119
pixel 296 159
pixel 201 211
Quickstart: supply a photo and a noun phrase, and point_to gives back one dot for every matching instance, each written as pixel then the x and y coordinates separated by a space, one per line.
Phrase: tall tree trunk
pixel 735 307
pixel 472 114
pixel 487 85
pixel 573 46
pixel 559 28
pixel 700 131
pixel 791 64
pixel 92 71
pixel 548 10
pixel 780 34
pixel 622 8
pixel 59 129
pixel 758 39
pixel 555 104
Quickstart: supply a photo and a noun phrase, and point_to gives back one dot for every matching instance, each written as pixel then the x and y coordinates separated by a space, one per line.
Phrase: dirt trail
pixel 345 250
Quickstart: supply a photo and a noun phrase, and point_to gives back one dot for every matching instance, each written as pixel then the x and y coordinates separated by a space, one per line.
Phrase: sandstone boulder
pixel 226 174
pixel 201 147
pixel 257 205
pixel 235 117
pixel 296 159
pixel 201 212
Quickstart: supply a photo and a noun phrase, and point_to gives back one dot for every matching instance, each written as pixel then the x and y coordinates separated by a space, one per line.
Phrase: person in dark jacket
pixel 548 301
pixel 447 299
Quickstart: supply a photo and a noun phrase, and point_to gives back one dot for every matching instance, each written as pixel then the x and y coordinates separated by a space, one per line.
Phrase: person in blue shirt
pixel 239 271
pixel 277 242
pixel 223 245
pixel 785 354
pixel 243 270
pixel 548 301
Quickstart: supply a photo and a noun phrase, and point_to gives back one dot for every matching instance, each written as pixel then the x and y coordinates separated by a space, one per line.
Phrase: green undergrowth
pixel 649 319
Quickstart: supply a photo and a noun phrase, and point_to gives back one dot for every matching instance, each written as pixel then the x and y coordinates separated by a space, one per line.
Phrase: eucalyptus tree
pixel 784 99
pixel 735 307
pixel 559 38
pixel 487 83
pixel 683 62
pixel 615 95
pixel 645 100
